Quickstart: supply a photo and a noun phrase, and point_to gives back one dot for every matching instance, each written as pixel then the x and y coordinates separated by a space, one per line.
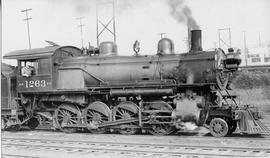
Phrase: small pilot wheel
pixel 218 127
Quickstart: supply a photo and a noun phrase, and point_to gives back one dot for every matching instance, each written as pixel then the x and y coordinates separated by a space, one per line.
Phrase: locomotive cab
pixel 34 78
pixel 38 67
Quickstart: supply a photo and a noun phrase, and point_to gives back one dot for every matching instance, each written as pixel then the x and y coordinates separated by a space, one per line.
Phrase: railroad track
pixel 63 148
pixel 180 136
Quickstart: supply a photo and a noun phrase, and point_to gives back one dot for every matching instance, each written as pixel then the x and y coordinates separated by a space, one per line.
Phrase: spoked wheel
pixel 33 123
pixel 95 114
pixel 67 115
pixel 161 126
pixel 93 119
pixel 124 111
pixel 218 127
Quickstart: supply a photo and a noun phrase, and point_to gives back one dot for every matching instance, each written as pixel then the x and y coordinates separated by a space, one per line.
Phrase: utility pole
pixel 227 42
pixel 188 41
pixel 114 31
pixel 161 35
pixel 245 47
pixel 27 21
pixel 105 26
pixel 260 42
pixel 81 26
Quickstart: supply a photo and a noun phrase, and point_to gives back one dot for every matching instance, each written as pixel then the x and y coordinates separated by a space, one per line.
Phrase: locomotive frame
pixel 157 94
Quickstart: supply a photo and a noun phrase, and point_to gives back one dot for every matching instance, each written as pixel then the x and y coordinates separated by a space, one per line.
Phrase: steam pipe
pixel 144 92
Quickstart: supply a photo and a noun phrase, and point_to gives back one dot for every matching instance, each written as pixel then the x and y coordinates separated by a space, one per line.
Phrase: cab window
pixel 35 67
pixel 28 67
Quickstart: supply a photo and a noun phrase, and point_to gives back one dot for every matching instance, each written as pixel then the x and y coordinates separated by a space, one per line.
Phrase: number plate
pixel 35 83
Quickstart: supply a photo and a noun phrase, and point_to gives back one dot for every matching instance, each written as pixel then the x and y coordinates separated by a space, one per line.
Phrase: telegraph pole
pixel 260 42
pixel 114 31
pixel 245 47
pixel 81 26
pixel 27 21
pixel 227 42
pixel 105 26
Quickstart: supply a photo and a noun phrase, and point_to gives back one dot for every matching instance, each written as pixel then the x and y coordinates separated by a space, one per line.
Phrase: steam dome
pixel 165 46
pixel 108 48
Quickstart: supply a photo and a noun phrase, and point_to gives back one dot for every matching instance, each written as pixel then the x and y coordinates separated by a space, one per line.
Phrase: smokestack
pixel 196 40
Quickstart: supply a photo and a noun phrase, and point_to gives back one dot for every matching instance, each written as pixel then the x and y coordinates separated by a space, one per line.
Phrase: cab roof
pixel 39 52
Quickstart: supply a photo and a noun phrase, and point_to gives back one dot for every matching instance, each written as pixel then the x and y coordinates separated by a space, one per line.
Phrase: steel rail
pixel 143 148
pixel 15 155
pixel 136 151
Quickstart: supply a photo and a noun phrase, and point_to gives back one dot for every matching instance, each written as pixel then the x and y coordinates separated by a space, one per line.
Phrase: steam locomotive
pixel 100 91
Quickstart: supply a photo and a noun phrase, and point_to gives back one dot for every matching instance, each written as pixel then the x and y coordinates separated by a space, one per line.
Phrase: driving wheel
pixel 161 126
pixel 96 114
pixel 67 115
pixel 124 111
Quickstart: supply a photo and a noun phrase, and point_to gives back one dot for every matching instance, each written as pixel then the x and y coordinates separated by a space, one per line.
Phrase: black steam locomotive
pixel 98 90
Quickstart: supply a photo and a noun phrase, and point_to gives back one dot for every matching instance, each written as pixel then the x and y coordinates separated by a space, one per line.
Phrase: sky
pixel 142 20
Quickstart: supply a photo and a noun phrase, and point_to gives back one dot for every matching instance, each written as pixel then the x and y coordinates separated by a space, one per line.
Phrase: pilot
pixel 27 70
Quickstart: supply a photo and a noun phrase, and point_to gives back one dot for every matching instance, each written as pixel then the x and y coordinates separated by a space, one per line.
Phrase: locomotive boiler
pixel 98 90
pixel 164 66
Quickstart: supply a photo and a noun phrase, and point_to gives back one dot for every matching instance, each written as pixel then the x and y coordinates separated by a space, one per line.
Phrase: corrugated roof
pixel 6 67
pixel 31 53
